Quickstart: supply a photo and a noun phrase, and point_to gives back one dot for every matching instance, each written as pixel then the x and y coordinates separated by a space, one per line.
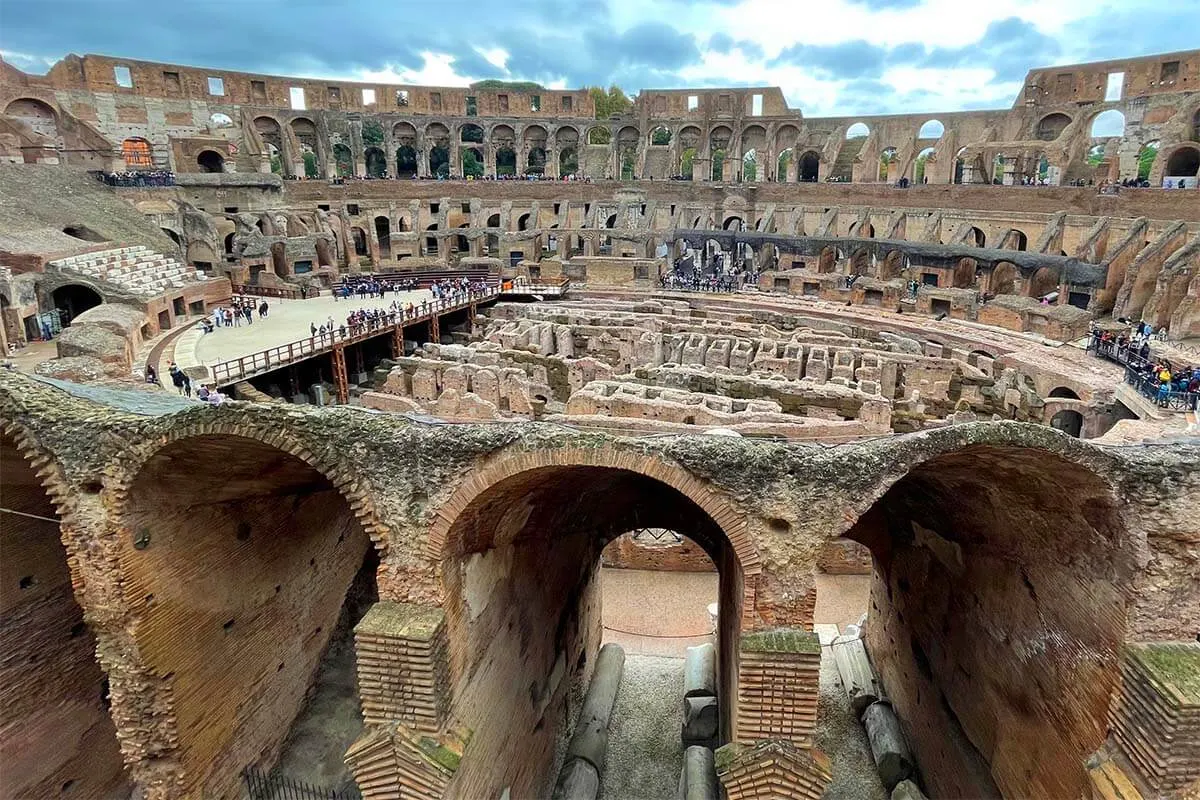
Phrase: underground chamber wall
pixel 239 560
pixel 56 735
pixel 996 616
pixel 521 571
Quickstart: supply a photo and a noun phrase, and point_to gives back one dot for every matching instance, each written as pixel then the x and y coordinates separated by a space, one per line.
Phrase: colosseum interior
pixel 830 424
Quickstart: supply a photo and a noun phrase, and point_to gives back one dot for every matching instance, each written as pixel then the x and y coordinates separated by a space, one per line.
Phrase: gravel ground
pixel 645 755
pixel 841 737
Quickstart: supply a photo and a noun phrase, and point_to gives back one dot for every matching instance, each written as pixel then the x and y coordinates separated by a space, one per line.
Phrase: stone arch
pixel 566 140
pixel 54 675
pixel 219 119
pixel 376 162
pixel 1005 278
pixel 210 161
pixel 38 115
pixel 719 139
pixel 931 129
pixel 550 513
pixel 471 133
pixel 1014 239
pixel 1051 126
pixel 1043 282
pixel 809 166
pixel 1065 392
pixel 887 157
pixel 1184 162
pixel 136 153
pixel 660 136
pixel 920 165
pixel 599 135
pixel 1107 124
pixel 714 504
pixel 73 298
pixel 207 540
pixel 1045 509
pixel 858 130
pixel 1069 421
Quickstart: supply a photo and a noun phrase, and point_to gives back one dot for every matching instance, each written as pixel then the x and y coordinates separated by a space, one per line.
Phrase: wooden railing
pixel 240 369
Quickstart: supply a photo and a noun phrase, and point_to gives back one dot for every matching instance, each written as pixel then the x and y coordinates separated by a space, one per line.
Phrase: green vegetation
pixel 660 136
pixel 512 86
pixel 472 166
pixel 372 132
pixel 310 165
pixel 785 161
pixel 688 156
pixel 786 640
pixel 1146 160
pixel 750 166
pixel 718 165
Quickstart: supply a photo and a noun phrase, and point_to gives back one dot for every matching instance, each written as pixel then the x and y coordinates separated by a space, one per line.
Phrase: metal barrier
pixel 265 291
pixel 262 785
pixel 1140 375
pixel 240 369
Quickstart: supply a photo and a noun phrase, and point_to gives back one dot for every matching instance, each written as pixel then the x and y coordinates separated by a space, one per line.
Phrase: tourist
pixel 248 312
pixel 262 310
pixel 177 376
pixel 152 376
pixel 312 329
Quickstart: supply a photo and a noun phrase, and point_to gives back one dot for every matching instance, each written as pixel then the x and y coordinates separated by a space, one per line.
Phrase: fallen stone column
pixel 579 778
pixel 892 757
pixel 701 713
pixel 854 669
pixel 698 779
pixel 907 790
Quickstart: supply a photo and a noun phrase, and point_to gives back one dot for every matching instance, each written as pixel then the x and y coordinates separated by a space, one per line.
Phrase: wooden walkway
pixel 335 342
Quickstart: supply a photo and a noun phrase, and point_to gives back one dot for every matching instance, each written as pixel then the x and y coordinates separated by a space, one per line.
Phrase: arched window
pixel 1108 124
pixel 136 153
pixel 933 129
pixel 857 131
pixel 210 161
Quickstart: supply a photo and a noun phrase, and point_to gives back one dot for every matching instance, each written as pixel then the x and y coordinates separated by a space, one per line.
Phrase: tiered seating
pixel 136 269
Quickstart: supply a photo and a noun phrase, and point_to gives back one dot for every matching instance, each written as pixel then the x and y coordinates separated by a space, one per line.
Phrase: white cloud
pixel 437 70
pixel 496 56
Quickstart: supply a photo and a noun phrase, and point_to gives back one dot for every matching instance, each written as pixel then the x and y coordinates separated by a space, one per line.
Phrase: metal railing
pixel 540 286
pixel 265 291
pixel 240 369
pixel 262 785
pixel 1139 373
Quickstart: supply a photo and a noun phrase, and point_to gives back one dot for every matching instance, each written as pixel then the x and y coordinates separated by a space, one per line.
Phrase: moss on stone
pixel 1173 664
pixel 725 755
pixel 784 640
pixel 400 620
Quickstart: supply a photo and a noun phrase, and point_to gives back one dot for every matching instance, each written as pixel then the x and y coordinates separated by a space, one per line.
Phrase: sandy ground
pixel 645 754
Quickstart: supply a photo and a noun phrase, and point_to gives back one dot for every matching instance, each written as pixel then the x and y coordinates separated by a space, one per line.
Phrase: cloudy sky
pixel 829 56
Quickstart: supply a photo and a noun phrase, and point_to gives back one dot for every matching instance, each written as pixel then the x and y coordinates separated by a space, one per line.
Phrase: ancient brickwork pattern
pixel 778 685
pixel 403 663
pixel 772 770
pixel 1156 716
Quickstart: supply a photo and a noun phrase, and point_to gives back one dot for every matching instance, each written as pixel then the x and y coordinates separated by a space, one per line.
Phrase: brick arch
pixel 340 474
pixel 46 467
pixel 479 481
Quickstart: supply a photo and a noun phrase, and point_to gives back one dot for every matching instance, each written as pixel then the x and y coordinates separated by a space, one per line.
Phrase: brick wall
pixel 626 552
pixel 56 736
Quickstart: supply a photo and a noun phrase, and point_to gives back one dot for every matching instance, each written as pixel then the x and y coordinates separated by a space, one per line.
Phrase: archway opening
pixel 858 130
pixel 922 162
pixel 383 234
pixel 1108 124
pixel 1051 126
pixel 1035 560
pixel 1146 157
pixel 810 165
pixel 343 160
pixel 57 737
pixel 521 572
pixel 506 161
pixel 933 129
pixel 376 163
pixel 1063 392
pixel 886 158
pixel 1068 421
pixel 1184 163
pixel 406 161
pixel 247 570
pixel 73 299
pixel 136 152
pixel 210 161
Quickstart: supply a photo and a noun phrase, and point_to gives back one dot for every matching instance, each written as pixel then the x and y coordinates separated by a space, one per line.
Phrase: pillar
pixel 778 684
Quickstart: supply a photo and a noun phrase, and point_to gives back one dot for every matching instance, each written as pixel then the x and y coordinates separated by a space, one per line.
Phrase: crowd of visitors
pixel 240 309
pixel 1156 377
pixel 371 286
pixel 151 177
